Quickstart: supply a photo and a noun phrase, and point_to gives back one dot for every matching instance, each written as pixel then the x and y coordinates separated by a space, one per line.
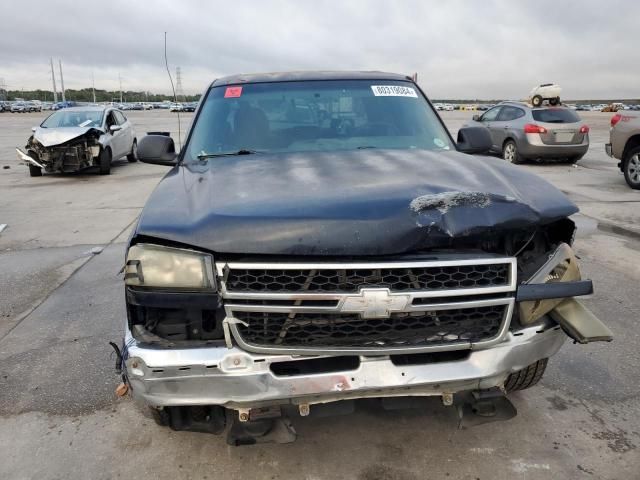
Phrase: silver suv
pixel 521 132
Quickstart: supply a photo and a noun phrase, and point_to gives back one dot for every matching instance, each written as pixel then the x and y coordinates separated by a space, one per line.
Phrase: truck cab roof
pixel 306 76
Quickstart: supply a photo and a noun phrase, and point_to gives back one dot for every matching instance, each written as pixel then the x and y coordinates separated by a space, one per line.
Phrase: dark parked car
pixel 320 238
pixel 65 104
pixel 189 107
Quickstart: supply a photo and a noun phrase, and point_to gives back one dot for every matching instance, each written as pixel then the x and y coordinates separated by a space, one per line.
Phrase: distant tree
pixel 86 95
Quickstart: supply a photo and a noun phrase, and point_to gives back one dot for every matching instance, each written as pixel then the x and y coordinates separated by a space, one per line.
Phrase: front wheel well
pixel 632 143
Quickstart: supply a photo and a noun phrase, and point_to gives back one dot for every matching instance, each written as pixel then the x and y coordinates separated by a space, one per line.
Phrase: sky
pixel 487 49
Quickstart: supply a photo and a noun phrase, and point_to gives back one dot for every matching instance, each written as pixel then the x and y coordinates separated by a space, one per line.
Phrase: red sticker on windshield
pixel 232 92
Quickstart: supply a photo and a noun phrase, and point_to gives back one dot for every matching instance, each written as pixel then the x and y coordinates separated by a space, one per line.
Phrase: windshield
pixel 316 116
pixel 555 115
pixel 74 118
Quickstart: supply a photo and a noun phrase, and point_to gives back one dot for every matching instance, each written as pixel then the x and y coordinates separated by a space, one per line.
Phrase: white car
pixel 438 106
pixel 546 91
pixel 79 137
pixel 448 107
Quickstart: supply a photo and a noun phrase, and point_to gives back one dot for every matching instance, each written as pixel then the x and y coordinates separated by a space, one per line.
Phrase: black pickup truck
pixel 321 238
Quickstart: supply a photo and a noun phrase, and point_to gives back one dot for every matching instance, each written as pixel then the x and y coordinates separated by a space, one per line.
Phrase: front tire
pixel 510 153
pixel 536 101
pixel 105 162
pixel 527 377
pixel 34 171
pixel 631 168
pixel 133 156
pixel 575 158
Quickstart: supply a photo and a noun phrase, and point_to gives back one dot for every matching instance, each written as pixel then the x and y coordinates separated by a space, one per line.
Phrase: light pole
pixel 62 81
pixel 53 79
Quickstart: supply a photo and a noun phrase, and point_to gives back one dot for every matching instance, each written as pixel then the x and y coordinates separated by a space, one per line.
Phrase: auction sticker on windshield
pixel 393 91
pixel 233 92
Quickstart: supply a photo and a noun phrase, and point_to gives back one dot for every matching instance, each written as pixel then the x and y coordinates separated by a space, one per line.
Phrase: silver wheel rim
pixel 633 168
pixel 510 152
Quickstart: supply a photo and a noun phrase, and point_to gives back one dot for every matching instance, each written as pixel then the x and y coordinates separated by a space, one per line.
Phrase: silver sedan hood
pixel 49 137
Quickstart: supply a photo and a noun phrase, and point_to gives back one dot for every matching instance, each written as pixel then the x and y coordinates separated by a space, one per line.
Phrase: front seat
pixel 250 128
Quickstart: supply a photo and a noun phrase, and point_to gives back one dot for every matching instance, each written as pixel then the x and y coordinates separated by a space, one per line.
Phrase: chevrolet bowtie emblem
pixel 375 303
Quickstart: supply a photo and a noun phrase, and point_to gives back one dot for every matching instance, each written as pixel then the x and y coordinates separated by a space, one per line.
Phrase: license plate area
pixel 563 136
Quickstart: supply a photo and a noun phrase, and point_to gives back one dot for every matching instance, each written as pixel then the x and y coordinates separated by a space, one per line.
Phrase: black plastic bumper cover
pixel 545 291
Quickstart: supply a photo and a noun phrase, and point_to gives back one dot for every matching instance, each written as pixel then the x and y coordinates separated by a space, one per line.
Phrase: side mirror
pixel 33 129
pixel 476 117
pixel 115 128
pixel 472 140
pixel 157 149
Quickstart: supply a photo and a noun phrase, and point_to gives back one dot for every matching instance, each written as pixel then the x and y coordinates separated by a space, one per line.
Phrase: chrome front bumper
pixel 238 379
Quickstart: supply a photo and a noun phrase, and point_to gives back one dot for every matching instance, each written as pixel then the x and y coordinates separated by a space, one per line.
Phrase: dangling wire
pixel 175 98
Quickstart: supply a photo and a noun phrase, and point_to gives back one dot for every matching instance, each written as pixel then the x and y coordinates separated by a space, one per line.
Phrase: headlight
pixel 163 267
pixel 562 266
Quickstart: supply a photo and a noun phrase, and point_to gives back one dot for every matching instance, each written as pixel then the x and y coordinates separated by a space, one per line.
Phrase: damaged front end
pixel 67 155
pixel 404 288
pixel 292 335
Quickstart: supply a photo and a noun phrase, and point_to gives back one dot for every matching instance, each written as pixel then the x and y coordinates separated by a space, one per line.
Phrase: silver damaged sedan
pixel 75 138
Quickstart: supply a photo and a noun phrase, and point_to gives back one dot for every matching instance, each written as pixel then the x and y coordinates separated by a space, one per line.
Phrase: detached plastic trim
pixel 544 291
pixel 172 299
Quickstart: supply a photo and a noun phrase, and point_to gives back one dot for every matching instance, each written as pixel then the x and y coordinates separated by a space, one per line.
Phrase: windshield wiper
pixel 242 151
pixel 364 147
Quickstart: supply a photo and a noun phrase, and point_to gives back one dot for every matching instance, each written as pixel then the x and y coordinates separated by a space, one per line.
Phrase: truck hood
pixel 49 137
pixel 365 202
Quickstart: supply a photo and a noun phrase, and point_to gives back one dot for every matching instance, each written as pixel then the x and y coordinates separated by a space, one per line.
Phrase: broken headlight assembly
pixel 168 268
pixel 558 279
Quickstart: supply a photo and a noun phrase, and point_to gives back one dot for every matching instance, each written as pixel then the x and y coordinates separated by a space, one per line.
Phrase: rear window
pixel 555 115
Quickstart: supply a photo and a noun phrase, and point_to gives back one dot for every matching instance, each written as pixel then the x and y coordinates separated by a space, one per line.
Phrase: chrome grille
pixel 351 280
pixel 367 308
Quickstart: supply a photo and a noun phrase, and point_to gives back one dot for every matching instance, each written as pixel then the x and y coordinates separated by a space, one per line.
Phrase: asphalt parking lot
pixel 60 305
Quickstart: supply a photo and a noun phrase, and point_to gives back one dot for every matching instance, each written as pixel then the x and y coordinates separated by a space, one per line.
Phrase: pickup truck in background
pixel 624 144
